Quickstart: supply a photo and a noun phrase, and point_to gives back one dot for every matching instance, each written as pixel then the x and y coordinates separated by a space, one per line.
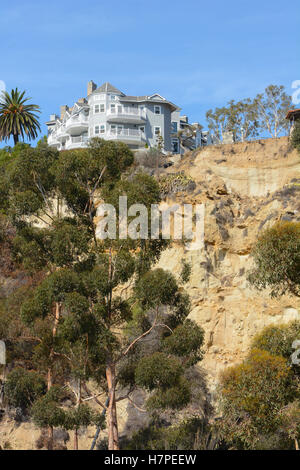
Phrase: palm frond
pixel 18 118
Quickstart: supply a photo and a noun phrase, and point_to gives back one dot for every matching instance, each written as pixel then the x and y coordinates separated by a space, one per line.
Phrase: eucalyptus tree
pixel 18 117
pixel 271 109
pixel 100 304
pixel 277 260
pixel 239 118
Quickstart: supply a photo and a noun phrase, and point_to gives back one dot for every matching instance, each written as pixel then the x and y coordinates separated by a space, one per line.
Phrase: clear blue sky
pixel 198 54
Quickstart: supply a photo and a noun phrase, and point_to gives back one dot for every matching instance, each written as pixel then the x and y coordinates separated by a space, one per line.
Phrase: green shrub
pixel 23 387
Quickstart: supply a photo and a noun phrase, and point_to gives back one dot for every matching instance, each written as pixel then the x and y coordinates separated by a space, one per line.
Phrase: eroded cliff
pixel 245 188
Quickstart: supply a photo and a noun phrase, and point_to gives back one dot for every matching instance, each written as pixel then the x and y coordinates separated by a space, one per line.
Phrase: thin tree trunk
pixel 50 428
pixel 99 427
pixel 296 444
pixel 77 405
pixel 16 138
pixel 113 435
pixel 49 375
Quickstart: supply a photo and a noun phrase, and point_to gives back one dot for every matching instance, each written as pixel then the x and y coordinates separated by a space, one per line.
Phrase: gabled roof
pixel 147 98
pixel 108 88
pixel 156 95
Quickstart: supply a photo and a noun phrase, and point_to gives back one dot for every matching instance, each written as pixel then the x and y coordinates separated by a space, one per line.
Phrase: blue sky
pixel 197 54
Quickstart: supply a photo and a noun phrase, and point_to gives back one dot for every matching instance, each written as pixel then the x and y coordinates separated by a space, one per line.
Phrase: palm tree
pixel 17 118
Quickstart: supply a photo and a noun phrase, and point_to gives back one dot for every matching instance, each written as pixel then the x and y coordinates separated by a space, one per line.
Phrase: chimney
pixel 63 110
pixel 81 101
pixel 91 86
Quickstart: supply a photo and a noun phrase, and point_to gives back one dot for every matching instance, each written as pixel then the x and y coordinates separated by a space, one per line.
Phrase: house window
pixel 175 146
pixel 156 131
pixel 99 108
pixel 113 108
pixel 157 110
pixel 100 129
pixel 174 127
pixel 116 129
pixel 112 97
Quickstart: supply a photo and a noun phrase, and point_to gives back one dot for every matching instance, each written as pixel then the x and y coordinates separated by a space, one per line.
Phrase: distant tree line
pixel 250 118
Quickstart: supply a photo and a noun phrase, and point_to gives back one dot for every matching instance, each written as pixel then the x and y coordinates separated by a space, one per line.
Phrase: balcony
pixel 61 134
pixel 126 115
pixel 77 125
pixel 129 136
pixel 77 142
pixel 52 140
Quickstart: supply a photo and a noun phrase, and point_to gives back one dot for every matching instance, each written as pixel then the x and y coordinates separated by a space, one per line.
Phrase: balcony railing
pixel 79 139
pixel 130 134
pixel 126 112
pixel 52 139
pixel 77 121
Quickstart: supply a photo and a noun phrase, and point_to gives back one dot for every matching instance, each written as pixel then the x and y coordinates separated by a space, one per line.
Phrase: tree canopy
pixel 277 259
pixel 17 117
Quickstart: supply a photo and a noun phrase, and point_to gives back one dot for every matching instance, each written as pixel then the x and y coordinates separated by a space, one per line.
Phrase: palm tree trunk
pixel 16 138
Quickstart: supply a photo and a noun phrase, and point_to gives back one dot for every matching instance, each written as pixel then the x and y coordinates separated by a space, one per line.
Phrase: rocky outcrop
pixel 245 188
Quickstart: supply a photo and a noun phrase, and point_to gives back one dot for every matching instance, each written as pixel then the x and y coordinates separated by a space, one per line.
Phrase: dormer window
pixel 157 110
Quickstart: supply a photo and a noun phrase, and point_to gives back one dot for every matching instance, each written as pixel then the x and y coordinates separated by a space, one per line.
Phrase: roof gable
pixel 157 97
pixel 108 88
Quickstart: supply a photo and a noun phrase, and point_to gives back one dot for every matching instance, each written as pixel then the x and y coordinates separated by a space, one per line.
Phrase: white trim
pixel 156 94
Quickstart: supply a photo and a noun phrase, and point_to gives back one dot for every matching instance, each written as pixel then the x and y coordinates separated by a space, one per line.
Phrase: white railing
pixel 126 112
pixel 61 131
pixel 136 134
pixel 79 139
pixel 52 139
pixel 77 120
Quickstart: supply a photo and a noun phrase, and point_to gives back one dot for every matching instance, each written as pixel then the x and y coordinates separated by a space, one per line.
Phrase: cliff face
pixel 245 188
